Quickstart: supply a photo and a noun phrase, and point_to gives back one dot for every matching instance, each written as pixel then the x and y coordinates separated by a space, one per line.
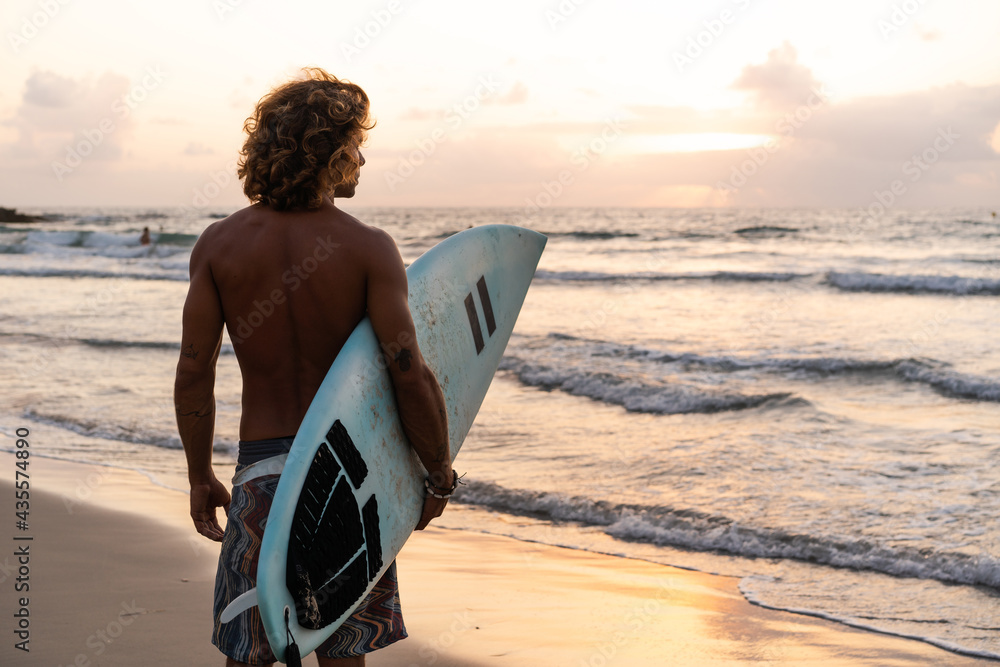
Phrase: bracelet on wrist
pixel 442 493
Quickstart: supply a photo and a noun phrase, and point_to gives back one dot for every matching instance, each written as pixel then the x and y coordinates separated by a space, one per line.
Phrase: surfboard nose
pixel 539 239
pixel 534 239
pixel 531 243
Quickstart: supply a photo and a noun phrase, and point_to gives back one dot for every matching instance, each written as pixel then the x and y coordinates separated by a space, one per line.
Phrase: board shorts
pixel 375 624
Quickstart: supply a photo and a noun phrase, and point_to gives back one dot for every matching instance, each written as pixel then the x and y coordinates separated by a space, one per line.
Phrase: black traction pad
pixel 326 534
pixel 348 453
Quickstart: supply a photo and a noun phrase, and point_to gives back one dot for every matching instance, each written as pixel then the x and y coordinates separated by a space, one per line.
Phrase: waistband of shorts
pixel 252 451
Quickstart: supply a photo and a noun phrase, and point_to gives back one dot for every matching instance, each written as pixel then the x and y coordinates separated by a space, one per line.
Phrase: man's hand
pixel 433 507
pixel 205 498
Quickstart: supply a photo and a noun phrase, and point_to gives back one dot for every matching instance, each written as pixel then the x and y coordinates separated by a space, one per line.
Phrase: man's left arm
pixel 194 393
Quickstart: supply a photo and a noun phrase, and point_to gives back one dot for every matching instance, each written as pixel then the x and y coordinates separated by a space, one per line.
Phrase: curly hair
pixel 302 141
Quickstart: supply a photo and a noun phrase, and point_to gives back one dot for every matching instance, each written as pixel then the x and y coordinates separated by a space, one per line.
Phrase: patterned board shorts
pixel 376 623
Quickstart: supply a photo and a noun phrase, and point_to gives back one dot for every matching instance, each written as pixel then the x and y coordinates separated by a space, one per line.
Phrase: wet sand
pixel 117 577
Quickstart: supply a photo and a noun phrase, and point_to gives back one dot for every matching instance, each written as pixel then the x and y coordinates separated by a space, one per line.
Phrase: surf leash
pixel 292 657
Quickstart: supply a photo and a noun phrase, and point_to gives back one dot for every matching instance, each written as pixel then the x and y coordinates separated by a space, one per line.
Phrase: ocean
pixel 806 399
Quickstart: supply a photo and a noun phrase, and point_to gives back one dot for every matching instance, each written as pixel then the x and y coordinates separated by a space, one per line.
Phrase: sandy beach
pixel 117 578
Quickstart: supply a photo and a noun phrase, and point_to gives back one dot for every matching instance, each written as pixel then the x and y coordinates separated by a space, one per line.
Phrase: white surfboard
pixel 351 490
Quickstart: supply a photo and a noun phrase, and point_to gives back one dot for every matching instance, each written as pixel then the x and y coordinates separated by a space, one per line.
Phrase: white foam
pixel 703 532
pixel 634 396
pixel 876 282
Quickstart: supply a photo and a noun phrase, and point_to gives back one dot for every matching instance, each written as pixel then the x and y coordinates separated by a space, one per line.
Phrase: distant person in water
pixel 144 239
pixel 301 152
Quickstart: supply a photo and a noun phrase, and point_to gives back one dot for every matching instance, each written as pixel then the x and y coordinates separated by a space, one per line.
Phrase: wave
pixel 846 282
pixel 720 276
pixel 148 345
pixel 929 372
pixel 766 230
pixel 106 430
pixel 51 272
pixel 93 239
pixel 124 344
pixel 106 343
pixel 701 531
pixel 906 284
pixel 593 236
pixel 637 396
pixel 129 433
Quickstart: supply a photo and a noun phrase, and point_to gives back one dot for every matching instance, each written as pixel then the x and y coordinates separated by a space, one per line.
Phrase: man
pixel 290 277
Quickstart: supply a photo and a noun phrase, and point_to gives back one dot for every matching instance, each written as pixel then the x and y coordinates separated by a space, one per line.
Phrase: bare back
pixel 292 286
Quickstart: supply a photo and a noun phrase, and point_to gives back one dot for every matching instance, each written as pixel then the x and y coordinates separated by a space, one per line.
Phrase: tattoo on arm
pixel 403 359
pixel 190 352
pixel 195 413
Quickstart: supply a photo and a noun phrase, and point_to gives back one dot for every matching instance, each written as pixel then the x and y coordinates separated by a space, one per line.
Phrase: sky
pixel 524 103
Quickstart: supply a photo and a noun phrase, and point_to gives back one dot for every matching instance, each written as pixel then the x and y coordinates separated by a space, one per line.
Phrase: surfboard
pixel 351 488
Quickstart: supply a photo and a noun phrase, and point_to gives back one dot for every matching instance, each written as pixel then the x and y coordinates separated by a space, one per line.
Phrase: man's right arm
pixel 418 395
pixel 194 391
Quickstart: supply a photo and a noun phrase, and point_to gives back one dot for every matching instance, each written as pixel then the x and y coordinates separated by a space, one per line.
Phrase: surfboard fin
pixel 269 466
pixel 239 605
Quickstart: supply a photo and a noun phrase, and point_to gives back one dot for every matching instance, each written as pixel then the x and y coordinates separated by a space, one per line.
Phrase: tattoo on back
pixel 403 359
pixel 190 352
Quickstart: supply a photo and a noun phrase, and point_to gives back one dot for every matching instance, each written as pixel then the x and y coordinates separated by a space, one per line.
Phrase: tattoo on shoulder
pixel 190 352
pixel 403 358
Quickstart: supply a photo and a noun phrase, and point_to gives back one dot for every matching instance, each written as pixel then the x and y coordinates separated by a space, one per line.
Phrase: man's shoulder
pixel 372 238
pixel 227 225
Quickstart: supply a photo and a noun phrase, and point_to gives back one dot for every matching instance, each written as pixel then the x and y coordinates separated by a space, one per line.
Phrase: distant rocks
pixel 11 215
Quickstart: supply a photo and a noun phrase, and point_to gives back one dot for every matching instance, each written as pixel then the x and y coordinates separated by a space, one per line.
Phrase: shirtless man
pixel 290 277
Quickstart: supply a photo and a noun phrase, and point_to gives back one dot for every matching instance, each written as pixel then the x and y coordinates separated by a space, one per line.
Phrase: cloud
pixel 48 89
pixel 937 143
pixel 891 128
pixel 518 94
pixel 196 148
pixel 779 82
pixel 837 154
pixel 57 112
